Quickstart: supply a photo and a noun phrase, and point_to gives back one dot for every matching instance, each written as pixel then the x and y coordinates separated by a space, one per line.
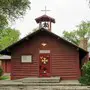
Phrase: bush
pixel 85 78
pixel 1 71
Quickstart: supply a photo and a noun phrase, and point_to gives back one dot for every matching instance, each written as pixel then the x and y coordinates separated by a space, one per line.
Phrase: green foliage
pixel 1 71
pixel 8 36
pixel 82 31
pixel 5 78
pixel 3 22
pixel 12 9
pixel 85 79
pixel 71 36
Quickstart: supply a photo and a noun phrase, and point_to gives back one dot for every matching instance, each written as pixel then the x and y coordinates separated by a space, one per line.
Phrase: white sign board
pixel 44 51
pixel 26 59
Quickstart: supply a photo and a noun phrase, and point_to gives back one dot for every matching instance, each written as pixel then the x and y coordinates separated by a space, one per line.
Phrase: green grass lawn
pixel 4 78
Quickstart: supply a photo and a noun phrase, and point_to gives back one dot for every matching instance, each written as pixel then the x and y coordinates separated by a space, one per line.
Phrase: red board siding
pixel 22 70
pixel 65 65
pixel 64 58
pixel 6 65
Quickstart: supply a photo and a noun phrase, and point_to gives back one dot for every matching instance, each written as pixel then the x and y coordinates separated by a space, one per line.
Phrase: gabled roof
pixel 7 51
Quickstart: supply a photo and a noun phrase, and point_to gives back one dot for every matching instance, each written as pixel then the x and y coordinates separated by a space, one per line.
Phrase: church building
pixel 45 54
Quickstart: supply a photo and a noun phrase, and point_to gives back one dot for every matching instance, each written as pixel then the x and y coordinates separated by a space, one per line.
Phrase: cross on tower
pixel 45 10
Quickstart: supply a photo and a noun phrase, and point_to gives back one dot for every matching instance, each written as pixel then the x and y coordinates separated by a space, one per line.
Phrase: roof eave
pixel 7 51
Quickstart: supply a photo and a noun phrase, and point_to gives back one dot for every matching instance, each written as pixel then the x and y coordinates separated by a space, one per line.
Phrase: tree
pixel 8 36
pixel 3 22
pixel 85 79
pixel 82 31
pixel 12 9
pixel 71 36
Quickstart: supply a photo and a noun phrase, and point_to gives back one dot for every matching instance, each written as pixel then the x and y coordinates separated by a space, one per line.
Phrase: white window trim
pixel 27 60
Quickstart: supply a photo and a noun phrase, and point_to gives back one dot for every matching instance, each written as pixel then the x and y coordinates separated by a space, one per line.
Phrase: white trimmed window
pixel 26 58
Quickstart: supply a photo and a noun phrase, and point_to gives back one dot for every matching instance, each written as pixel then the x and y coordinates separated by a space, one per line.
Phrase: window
pixel 26 58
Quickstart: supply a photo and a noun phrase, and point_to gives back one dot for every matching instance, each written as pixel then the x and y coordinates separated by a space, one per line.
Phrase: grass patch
pixel 4 78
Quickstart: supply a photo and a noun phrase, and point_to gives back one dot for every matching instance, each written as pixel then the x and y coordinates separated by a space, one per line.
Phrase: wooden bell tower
pixel 45 21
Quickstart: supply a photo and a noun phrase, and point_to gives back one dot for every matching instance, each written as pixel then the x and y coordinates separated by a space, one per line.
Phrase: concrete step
pixel 41 85
pixel 39 80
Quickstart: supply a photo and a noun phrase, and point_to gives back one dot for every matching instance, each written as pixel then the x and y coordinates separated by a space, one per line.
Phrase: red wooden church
pixel 44 54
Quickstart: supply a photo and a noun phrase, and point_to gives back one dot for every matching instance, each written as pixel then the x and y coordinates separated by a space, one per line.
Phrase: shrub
pixel 85 78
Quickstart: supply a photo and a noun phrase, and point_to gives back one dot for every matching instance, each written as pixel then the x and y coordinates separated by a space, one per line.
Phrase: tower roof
pixel 45 18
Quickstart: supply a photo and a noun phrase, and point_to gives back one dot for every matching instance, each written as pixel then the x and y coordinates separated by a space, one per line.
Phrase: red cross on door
pixel 44 65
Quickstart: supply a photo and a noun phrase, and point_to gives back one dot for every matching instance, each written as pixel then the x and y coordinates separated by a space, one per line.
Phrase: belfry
pixel 45 21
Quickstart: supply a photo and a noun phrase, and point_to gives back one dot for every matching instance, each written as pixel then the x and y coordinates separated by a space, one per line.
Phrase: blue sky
pixel 67 13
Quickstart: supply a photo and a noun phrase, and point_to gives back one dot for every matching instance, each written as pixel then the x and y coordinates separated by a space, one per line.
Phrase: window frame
pixel 22 61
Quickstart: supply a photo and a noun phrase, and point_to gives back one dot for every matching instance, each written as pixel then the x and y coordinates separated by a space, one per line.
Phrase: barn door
pixel 44 65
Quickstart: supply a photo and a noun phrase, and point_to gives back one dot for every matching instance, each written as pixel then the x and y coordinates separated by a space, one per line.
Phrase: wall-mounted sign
pixel 26 58
pixel 44 51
